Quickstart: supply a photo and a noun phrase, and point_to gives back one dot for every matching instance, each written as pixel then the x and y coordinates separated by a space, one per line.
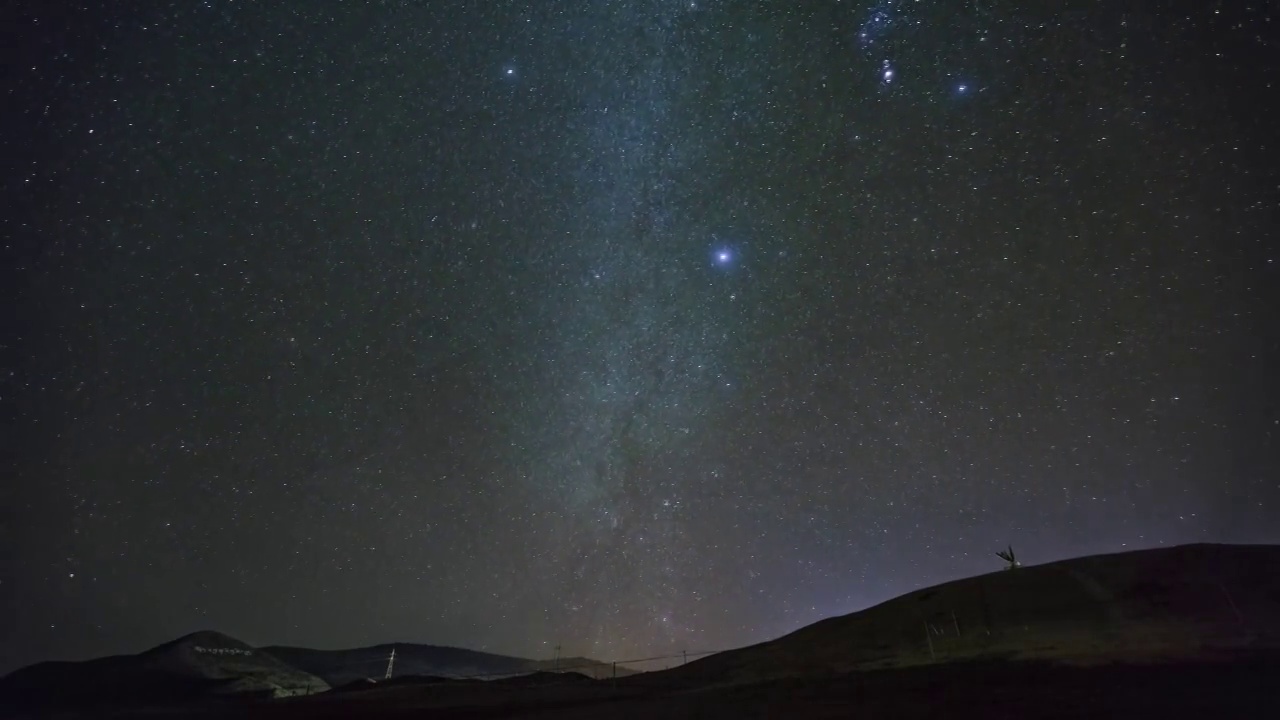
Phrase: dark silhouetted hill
pixel 193 667
pixel 1187 603
pixel 342 667
pixel 1184 632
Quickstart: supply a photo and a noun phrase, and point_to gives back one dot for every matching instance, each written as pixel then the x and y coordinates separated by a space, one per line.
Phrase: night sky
pixel 629 326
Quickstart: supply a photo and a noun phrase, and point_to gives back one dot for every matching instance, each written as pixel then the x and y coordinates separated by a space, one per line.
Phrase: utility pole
pixel 391 663
pixel 684 654
pixel 557 664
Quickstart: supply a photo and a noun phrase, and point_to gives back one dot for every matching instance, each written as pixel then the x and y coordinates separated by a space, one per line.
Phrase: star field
pixel 628 327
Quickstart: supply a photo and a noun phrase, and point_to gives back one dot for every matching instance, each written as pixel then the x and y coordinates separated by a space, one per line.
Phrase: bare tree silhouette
pixel 1008 556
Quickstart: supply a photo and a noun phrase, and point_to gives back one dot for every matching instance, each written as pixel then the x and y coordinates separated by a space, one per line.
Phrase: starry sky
pixel 628 326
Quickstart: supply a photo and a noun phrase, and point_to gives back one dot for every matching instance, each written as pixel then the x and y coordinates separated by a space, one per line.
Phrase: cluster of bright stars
pixel 878 24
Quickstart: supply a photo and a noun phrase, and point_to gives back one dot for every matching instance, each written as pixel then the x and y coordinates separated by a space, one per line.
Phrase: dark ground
pixel 1243 688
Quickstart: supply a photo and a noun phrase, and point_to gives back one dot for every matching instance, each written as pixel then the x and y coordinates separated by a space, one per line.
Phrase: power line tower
pixel 391 663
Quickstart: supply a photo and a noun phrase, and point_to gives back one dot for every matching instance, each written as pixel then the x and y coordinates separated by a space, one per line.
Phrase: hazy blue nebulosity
pixel 628 326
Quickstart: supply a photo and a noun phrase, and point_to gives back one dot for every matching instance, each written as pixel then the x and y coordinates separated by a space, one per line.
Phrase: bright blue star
pixel 722 257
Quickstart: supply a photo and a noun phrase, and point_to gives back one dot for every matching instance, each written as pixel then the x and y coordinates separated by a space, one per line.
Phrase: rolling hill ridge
pixel 1184 603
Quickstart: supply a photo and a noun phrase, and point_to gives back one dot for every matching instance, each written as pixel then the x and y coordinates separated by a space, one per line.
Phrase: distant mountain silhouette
pixel 1186 603
pixel 206 665
pixel 1187 620
pixel 342 667
pixel 193 667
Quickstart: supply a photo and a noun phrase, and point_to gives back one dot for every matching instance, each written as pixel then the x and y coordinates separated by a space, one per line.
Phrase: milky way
pixel 624 328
